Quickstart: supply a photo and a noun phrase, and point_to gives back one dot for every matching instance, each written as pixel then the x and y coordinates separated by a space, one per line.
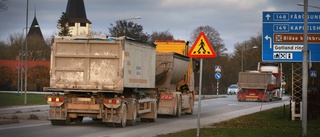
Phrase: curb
pixel 9 121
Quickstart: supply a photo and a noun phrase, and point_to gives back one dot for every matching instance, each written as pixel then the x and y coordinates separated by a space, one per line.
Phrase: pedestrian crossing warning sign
pixel 201 48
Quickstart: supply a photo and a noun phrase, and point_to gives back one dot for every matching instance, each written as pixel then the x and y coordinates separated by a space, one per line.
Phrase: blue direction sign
pixel 283 16
pixel 217 75
pixel 282 39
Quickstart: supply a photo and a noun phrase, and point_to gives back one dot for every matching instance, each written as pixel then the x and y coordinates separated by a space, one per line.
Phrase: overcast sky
pixel 235 20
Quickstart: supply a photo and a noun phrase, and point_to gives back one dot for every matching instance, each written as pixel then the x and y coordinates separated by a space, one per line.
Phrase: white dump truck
pixel 107 79
pixel 263 84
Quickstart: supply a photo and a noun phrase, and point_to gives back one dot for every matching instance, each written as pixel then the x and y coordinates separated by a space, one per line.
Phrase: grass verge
pixel 270 123
pixel 15 99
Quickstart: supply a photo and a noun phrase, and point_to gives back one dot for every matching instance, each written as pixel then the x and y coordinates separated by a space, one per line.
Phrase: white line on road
pixel 34 125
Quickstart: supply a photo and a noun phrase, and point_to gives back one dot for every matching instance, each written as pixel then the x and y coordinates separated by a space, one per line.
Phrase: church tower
pixel 34 29
pixel 37 46
pixel 78 22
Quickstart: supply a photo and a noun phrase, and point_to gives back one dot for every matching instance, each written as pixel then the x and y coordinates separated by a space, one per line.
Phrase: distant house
pixel 12 75
pixel 14 64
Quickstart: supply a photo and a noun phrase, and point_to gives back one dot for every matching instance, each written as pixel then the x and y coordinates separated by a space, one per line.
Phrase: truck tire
pixel 78 120
pixel 134 115
pixel 190 110
pixel 123 122
pixel 58 122
pixel 179 107
pixel 155 110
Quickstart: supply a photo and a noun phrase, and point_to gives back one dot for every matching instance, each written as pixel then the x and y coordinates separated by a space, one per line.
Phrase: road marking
pixel 24 126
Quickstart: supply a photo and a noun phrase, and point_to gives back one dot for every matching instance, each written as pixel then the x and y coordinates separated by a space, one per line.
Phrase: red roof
pixel 14 63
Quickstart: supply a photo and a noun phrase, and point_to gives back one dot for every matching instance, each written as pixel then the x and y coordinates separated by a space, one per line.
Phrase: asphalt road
pixel 212 111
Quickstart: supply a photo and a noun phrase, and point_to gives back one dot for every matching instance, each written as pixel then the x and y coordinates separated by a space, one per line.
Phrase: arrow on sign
pixel 269 38
pixel 268 16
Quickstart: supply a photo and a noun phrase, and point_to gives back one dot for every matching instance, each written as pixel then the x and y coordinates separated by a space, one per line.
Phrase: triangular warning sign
pixel 202 48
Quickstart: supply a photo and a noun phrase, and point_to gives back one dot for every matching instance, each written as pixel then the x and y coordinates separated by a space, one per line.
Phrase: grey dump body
pixel 101 65
pixel 170 69
pixel 254 80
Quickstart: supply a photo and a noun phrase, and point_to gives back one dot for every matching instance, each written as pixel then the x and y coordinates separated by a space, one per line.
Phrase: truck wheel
pixel 124 117
pixel 155 110
pixel 58 122
pixel 179 107
pixel 191 107
pixel 78 120
pixel 134 115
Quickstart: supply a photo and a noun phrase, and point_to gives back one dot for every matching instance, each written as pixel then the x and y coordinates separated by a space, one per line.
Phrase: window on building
pixel 83 24
pixel 71 24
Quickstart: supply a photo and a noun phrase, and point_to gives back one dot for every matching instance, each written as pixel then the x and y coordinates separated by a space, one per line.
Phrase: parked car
pixel 233 89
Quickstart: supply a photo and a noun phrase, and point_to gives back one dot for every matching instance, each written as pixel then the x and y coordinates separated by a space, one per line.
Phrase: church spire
pixel 76 11
pixel 76 14
pixel 34 29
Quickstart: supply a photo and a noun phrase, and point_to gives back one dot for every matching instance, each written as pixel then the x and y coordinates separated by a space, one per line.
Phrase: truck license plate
pixel 84 99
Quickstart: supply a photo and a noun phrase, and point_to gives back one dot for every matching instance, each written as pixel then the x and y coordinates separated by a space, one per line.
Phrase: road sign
pixel 202 48
pixel 283 16
pixel 217 68
pixel 217 75
pixel 313 73
pixel 282 37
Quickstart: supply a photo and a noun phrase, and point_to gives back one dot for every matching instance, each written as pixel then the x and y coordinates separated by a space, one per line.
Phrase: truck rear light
pixel 53 99
pixel 114 101
pixel 111 101
pixel 166 97
pixel 106 101
pixel 59 99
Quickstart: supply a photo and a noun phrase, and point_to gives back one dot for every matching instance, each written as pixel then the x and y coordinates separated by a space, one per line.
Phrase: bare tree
pixel 251 56
pixel 130 29
pixel 3 5
pixel 161 35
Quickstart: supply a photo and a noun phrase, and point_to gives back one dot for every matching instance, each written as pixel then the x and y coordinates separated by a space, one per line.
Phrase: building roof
pixel 34 29
pixel 76 11
pixel 14 63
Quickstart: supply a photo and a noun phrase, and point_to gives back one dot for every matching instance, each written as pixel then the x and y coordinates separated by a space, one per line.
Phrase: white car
pixel 233 89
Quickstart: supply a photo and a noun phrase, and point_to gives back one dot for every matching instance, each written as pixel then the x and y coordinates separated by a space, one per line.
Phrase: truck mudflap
pixel 170 103
pixel 148 116
pixel 116 116
pixel 187 103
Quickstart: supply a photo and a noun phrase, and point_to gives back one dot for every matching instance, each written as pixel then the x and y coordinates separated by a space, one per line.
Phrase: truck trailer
pixel 175 79
pixel 107 79
pixel 263 84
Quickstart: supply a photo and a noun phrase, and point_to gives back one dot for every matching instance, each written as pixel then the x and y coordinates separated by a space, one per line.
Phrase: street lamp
pixel 254 47
pixel 137 17
pixel 301 4
pixel 24 54
pixel 305 67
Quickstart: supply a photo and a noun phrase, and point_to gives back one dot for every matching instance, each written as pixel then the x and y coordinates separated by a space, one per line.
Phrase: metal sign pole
pixel 217 87
pixel 199 99
pixel 305 72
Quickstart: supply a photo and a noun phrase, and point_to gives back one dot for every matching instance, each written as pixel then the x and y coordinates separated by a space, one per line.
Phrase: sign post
pixel 217 76
pixel 201 48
